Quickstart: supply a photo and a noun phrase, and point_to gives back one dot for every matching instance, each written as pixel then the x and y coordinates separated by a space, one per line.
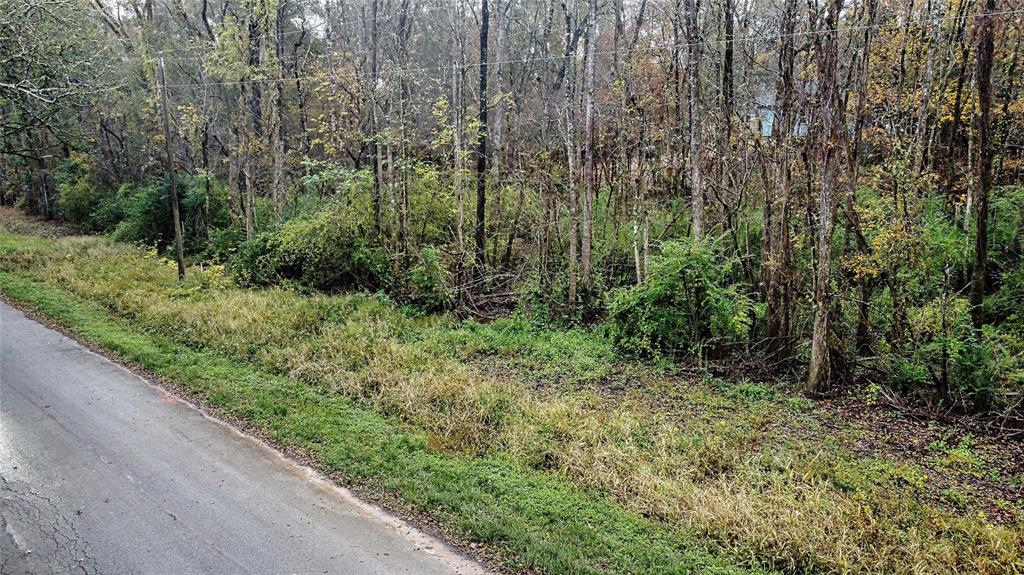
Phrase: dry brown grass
pixel 800 505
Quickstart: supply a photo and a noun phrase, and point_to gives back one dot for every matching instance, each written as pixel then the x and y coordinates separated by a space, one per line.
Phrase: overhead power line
pixel 558 57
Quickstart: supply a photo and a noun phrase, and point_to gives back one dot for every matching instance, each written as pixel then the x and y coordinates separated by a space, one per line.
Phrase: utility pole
pixel 178 251
pixel 481 148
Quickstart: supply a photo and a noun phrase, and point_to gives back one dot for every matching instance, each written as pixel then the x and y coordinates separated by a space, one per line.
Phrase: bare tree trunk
pixel 393 200
pixel 675 148
pixel 830 147
pixel 693 89
pixel 986 47
pixel 300 93
pixel 647 243
pixel 637 263
pixel 862 338
pixel 727 88
pixel 254 126
pixel 589 177
pixel 631 116
pixel 248 170
pixel 481 147
pixel 498 129
pixel 899 79
pixel 41 204
pixel 458 112
pixel 205 150
pixel 777 267
pixel 404 31
pixel 374 114
pixel 641 228
pixel 234 191
pixel 570 160
pixel 277 117
pixel 250 187
pixel 954 130
pixel 921 129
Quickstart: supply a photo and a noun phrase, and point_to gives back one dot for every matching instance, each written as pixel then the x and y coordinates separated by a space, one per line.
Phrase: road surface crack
pixel 42 537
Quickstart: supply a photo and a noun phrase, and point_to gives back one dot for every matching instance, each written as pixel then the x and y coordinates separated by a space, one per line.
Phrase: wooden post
pixel 175 214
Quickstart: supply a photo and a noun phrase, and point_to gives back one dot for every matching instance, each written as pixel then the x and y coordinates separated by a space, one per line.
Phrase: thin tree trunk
pixel 821 375
pixel 205 149
pixel 458 112
pixel 865 285
pixel 498 129
pixel 250 187
pixel 374 115
pixel 234 191
pixel 777 259
pixel 589 176
pixel 254 125
pixel 277 117
pixel 921 129
pixel 954 130
pixel 693 100
pixel 277 152
pixel 300 93
pixel 986 47
pixel 481 147
pixel 1010 76
pixel 727 88
pixel 570 160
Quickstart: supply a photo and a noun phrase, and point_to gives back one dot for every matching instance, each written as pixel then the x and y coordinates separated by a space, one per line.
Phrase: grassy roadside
pixel 534 520
pixel 755 475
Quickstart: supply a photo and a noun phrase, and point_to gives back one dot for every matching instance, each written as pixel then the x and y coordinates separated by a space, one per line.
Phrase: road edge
pixel 418 528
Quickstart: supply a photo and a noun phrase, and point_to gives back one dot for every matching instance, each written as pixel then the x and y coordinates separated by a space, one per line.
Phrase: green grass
pixel 508 433
pixel 534 519
pixel 572 357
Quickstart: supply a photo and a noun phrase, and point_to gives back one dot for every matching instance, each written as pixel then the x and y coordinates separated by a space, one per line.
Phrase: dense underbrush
pixel 902 316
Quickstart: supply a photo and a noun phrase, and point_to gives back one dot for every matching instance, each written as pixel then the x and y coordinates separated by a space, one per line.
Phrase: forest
pixel 562 195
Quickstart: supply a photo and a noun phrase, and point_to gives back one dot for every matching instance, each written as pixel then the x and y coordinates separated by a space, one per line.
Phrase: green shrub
pixel 687 303
pixel 945 351
pixel 109 213
pixel 330 251
pixel 976 374
pixel 1005 305
pixel 427 281
pixel 325 251
pixel 145 213
pixel 253 263
pixel 224 243
pixel 82 201
pixel 77 202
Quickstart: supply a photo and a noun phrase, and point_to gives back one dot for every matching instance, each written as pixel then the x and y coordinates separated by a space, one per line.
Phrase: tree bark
pixel 277 117
pixel 589 176
pixel 866 286
pixel 693 99
pixel 481 147
pixel 727 86
pixel 986 48
pixel 570 160
pixel 498 128
pixel 777 262
pixel 234 191
pixel 821 374
pixel 374 115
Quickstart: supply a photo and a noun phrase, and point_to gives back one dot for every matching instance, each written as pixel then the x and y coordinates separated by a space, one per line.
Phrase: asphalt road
pixel 102 472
